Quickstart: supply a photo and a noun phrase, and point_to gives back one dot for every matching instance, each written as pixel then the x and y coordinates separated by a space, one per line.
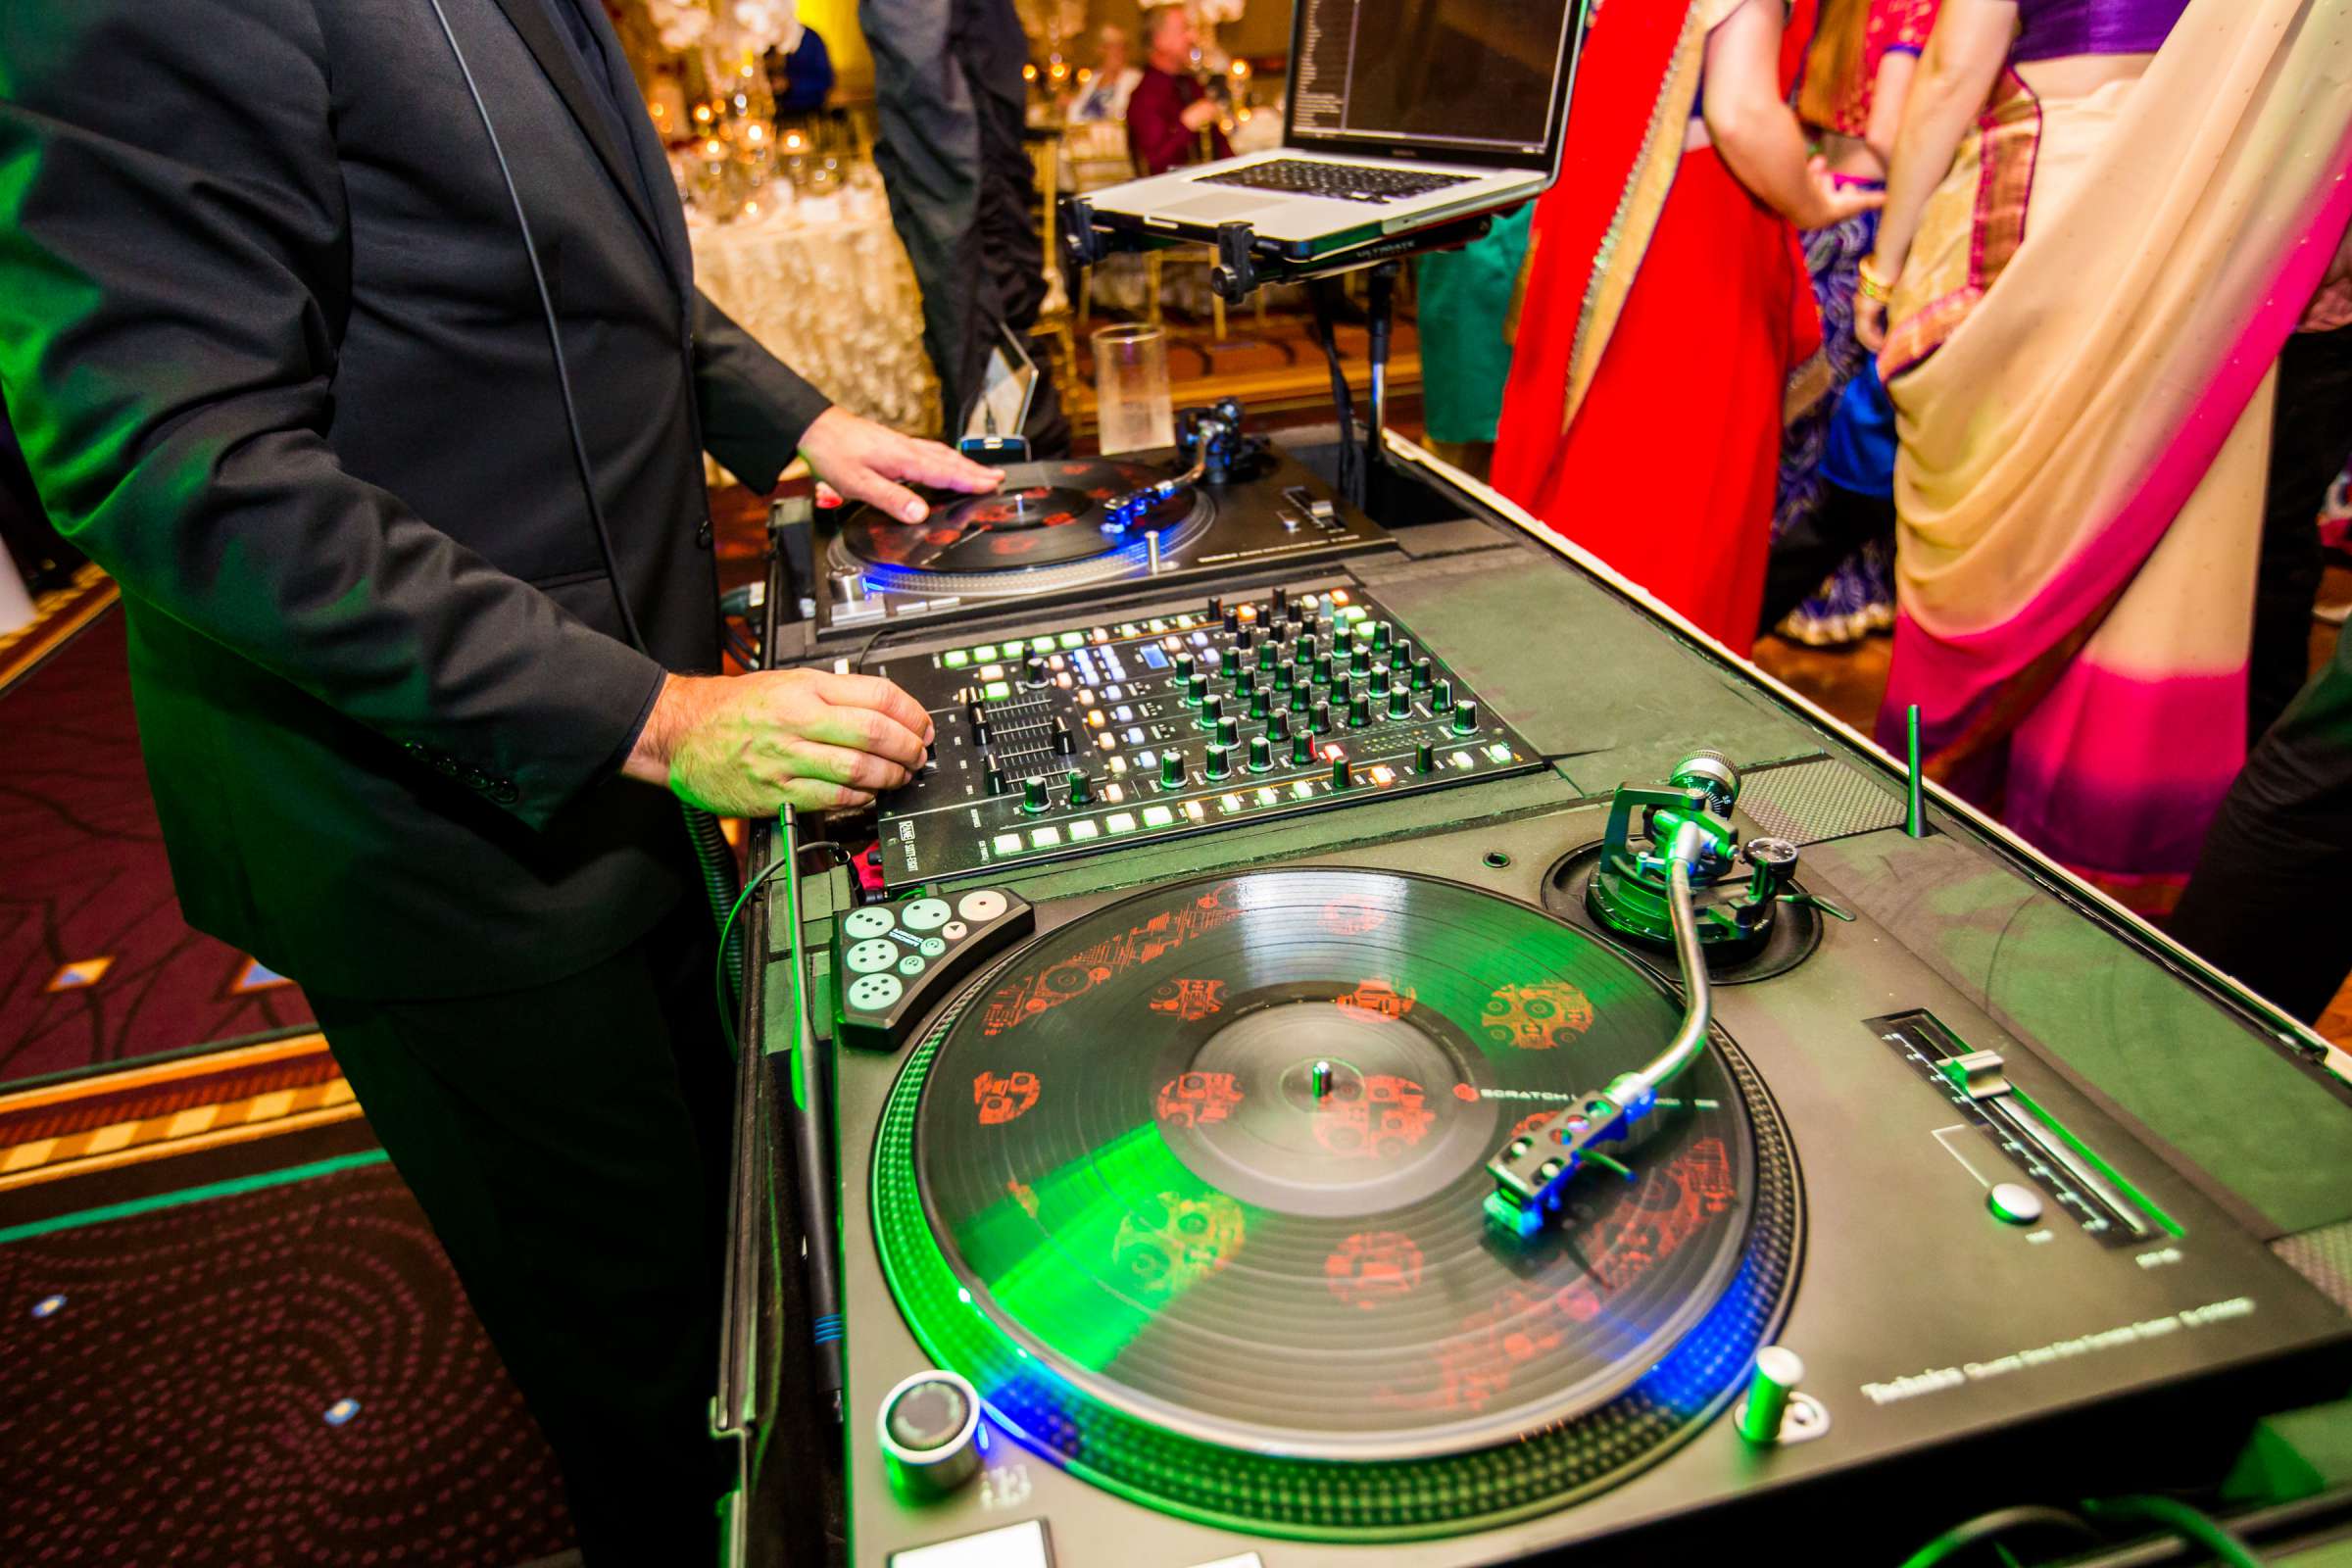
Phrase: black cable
pixel 2000 1521
pixel 727 972
pixel 1349 476
pixel 2180 1520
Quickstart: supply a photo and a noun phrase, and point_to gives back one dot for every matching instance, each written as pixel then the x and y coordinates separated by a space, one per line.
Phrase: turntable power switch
pixel 928 1426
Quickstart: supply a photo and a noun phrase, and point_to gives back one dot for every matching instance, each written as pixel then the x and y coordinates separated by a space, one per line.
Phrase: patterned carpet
pixel 96 966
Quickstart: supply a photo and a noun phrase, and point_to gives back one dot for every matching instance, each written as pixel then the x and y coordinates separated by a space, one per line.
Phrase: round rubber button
pixel 925 915
pixel 869 921
pixel 873 993
pixel 930 1415
pixel 872 957
pixel 911 966
pixel 981 907
pixel 2014 1202
pixel 933 947
pixel 955 930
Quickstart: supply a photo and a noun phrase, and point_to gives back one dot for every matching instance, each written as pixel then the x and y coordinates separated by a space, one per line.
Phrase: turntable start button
pixel 927 1427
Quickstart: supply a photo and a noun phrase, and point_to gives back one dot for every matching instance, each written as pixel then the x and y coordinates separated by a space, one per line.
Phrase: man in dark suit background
pixel 278 359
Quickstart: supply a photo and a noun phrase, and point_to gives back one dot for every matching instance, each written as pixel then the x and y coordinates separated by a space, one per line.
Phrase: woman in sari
pixel 1832 575
pixel 2103 219
pixel 1664 303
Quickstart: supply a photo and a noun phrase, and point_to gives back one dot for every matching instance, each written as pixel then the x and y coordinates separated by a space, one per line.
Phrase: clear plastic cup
pixel 1131 388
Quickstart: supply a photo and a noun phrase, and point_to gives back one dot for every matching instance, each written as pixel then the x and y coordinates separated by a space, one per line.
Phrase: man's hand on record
pixel 862 460
pixel 745 745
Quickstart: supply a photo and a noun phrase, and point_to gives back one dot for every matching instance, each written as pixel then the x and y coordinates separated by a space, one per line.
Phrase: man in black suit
pixel 413 652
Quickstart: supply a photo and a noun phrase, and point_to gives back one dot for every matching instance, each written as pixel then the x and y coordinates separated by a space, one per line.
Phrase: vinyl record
pixel 1047 514
pixel 1197 1181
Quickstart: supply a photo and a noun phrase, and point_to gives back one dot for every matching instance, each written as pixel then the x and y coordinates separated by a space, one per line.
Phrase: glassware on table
pixel 1132 405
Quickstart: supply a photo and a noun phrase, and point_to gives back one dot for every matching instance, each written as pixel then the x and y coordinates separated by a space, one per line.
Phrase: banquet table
pixel 824 283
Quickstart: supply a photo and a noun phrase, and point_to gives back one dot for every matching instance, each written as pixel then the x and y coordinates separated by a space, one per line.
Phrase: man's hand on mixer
pixel 745 745
pixel 864 460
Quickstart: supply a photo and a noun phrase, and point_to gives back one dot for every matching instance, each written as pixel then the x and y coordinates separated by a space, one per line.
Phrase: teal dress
pixel 1464 297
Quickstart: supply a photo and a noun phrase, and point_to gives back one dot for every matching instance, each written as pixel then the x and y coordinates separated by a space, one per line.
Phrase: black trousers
pixel 571 1143
pixel 2311 440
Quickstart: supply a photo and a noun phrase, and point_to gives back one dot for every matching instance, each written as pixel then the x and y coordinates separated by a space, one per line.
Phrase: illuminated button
pixel 1083 829
pixel 871 956
pixel 2014 1204
pixel 1123 713
pixel 1134 737
pixel 1304 789
pixel 991 671
pixel 859 924
pixel 981 906
pixel 913 964
pixel 1118 764
pixel 997 691
pixel 932 947
pixel 1107 741
pixel 1042 645
pixel 985 652
pixel 1229 803
pixel 1073 639
pixel 1120 822
pixel 1499 752
pixel 1006 842
pixel 1043 838
pixel 925 915
pixel 1158 817
pixel 953 931
pixel 1383 775
pixel 1155 625
pixel 874 992
pixel 954 658
pixel 1196 810
pixel 1459 759
pixel 1266 795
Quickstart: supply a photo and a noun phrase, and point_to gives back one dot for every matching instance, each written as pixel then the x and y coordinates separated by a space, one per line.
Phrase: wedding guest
pixel 1169 113
pixel 2102 221
pixel 1664 295
pixel 1106 94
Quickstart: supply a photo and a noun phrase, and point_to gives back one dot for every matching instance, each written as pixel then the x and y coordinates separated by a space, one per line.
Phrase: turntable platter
pixel 1047 514
pixel 1195 1181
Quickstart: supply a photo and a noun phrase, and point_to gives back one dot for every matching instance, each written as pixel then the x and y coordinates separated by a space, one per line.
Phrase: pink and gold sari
pixel 2079 366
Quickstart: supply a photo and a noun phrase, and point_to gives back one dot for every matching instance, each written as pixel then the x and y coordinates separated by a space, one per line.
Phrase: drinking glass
pixel 1131 388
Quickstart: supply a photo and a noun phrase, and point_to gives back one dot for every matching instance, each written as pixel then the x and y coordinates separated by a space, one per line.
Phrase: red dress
pixel 1667 468
pixel 1158 138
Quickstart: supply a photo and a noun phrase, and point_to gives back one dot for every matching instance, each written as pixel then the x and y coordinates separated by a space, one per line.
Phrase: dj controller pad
pixel 1408 1060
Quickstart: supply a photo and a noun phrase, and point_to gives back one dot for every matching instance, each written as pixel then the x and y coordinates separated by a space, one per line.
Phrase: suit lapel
pixel 530 19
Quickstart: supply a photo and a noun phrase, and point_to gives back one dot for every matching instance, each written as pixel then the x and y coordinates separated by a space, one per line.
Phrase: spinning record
pixel 1047 514
pixel 1195 1181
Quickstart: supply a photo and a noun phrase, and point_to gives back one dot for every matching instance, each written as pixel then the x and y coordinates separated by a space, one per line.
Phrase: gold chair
pixel 1054 316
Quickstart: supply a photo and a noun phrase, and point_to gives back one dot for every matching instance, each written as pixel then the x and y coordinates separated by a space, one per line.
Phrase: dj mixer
pixel 1412 1057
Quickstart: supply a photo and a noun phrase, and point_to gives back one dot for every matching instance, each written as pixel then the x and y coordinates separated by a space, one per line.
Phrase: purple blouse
pixel 2051 30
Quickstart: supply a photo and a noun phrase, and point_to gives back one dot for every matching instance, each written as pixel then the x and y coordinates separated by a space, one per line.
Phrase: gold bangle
pixel 1869 285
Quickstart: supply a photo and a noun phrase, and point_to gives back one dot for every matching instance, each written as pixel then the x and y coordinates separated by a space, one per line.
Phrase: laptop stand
pixel 1246 265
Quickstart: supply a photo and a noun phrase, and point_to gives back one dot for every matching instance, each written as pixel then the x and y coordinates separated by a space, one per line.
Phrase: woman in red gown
pixel 1664 303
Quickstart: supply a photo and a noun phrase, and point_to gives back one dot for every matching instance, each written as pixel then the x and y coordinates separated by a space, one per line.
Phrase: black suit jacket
pixel 277 361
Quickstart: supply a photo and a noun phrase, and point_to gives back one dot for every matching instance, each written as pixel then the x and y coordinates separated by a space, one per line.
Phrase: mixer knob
pixel 1425 757
pixel 1400 701
pixel 1279 726
pixel 1184 666
pixel 1196 687
pixel 1261 754
pixel 1229 731
pixel 996 777
pixel 1323 670
pixel 1302 748
pixel 1441 695
pixel 1269 653
pixel 1282 600
pixel 1283 675
pixel 1231 662
pixel 1246 638
pixel 1220 762
pixel 1033 795
pixel 928 1428
pixel 1258 703
pixel 1423 673
pixel 1064 743
pixel 1216 607
pixel 1171 769
pixel 1341 777
pixel 1244 684
pixel 1319 718
pixel 1401 652
pixel 1359 710
pixel 1212 708
pixel 1465 717
pixel 1382 631
pixel 1359 658
pixel 1232 619
pixel 1082 792
pixel 1304 647
pixel 1034 671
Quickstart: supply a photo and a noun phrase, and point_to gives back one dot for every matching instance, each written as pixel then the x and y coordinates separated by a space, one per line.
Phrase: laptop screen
pixel 1473 74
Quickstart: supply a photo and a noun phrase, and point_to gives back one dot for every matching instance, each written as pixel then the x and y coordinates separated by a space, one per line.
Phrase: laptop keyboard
pixel 1346 183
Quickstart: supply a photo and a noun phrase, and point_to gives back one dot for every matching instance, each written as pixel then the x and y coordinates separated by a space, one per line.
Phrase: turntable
pixel 1083 528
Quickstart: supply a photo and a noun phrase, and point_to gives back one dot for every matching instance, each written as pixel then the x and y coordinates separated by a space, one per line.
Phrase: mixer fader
pixel 1235 711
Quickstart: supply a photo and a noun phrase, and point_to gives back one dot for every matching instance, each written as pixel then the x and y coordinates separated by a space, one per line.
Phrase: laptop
pixel 1401 115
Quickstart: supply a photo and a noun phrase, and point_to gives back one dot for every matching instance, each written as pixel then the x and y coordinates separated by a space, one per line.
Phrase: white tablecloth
pixel 826 286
